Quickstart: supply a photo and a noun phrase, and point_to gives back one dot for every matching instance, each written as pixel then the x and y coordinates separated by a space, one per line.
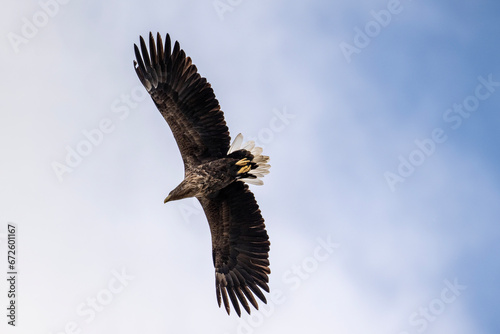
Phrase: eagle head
pixel 189 187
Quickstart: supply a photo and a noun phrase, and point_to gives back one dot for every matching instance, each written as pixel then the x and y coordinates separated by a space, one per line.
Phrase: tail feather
pixel 257 182
pixel 236 143
pixel 252 165
pixel 249 145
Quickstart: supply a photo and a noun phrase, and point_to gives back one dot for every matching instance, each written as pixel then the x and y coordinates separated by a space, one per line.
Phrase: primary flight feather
pixel 214 172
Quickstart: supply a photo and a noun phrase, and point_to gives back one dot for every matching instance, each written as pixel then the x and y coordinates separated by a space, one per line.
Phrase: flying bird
pixel 215 172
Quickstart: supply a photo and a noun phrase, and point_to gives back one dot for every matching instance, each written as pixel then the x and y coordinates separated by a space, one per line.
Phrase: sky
pixel 382 205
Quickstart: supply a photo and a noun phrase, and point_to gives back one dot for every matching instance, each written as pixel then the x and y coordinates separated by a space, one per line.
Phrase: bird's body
pixel 215 172
pixel 206 179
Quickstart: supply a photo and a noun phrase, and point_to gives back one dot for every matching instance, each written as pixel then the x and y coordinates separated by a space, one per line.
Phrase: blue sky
pixel 382 201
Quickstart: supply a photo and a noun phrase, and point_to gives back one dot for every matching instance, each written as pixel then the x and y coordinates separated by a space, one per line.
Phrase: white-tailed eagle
pixel 215 172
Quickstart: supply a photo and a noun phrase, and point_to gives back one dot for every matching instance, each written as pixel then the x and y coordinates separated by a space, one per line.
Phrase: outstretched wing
pixel 240 246
pixel 185 99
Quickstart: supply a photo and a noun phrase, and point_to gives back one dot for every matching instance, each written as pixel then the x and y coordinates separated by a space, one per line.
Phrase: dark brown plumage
pixel 214 172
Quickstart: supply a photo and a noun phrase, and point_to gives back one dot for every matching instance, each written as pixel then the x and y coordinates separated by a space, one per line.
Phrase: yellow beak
pixel 167 199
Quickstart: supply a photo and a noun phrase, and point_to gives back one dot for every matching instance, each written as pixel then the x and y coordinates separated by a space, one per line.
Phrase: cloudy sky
pixel 382 204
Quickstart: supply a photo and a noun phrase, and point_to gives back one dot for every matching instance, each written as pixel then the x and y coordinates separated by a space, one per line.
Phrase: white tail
pixel 260 160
